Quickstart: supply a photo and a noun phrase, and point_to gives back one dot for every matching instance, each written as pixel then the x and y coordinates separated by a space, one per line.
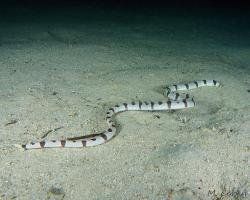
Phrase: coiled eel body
pixel 175 101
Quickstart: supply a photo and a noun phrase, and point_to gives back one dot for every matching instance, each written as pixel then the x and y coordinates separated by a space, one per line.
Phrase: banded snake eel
pixel 174 102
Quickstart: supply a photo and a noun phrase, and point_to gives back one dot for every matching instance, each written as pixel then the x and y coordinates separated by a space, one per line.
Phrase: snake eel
pixel 175 101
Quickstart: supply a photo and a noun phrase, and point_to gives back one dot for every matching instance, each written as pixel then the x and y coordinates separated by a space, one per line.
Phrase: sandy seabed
pixel 58 78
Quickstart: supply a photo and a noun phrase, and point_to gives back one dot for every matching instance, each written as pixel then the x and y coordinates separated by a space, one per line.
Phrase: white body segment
pixel 174 102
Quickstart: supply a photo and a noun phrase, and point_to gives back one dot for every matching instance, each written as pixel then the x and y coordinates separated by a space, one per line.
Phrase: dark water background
pixel 222 18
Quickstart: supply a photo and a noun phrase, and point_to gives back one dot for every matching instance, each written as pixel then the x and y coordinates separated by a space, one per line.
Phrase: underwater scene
pixel 124 100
